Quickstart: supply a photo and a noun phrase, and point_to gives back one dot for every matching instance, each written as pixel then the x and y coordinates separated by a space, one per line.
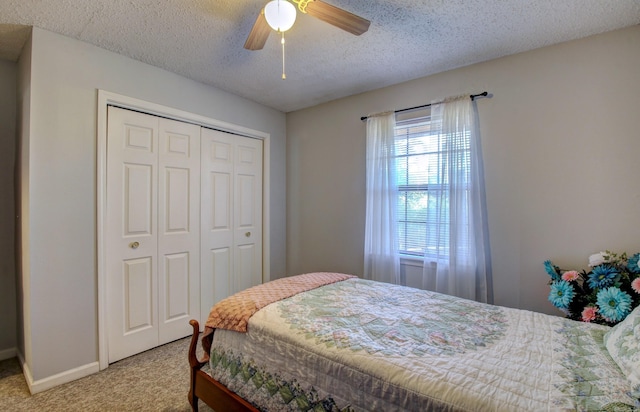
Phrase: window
pixel 421 159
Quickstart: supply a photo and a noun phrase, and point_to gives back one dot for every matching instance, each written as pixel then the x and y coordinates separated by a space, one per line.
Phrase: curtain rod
pixel 472 97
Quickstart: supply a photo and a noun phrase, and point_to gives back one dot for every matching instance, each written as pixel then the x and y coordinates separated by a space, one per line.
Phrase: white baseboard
pixel 42 385
pixel 8 353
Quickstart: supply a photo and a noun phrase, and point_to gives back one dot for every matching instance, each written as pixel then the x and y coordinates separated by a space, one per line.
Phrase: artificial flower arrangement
pixel 605 294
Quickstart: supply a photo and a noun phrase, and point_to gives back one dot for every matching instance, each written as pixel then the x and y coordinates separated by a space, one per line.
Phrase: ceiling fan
pixel 317 8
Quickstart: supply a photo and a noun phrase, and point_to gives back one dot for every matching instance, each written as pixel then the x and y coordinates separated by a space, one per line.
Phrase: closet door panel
pixel 220 287
pixel 137 285
pixel 177 181
pixel 177 280
pixel 138 195
pixel 131 238
pixel 248 216
pixel 179 228
pixel 231 215
pixel 217 218
pixel 246 270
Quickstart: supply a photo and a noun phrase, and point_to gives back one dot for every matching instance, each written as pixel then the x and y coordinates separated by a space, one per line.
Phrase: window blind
pixel 421 153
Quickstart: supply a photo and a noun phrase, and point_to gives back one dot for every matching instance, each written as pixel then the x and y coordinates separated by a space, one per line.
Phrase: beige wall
pixel 8 89
pixel 560 137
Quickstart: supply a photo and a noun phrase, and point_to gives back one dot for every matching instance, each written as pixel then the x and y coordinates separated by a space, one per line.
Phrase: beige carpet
pixel 156 380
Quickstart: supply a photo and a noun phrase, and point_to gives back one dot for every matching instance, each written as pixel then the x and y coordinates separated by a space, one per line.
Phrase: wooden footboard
pixel 203 386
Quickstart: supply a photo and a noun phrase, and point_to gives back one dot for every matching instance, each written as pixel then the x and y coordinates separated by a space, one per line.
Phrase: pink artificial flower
pixel 635 285
pixel 570 276
pixel 589 313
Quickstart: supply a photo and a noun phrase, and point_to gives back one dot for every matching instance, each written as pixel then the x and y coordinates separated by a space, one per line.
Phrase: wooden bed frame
pixel 203 386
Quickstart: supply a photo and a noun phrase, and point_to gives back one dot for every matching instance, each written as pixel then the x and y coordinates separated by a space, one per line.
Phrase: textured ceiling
pixel 407 39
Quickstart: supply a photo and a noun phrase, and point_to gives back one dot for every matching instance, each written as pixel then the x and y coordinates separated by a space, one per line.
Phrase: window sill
pixel 409 260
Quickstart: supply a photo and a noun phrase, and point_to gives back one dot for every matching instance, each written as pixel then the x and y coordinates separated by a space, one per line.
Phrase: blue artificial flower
pixel 551 270
pixel 602 276
pixel 561 294
pixel 614 304
pixel 633 264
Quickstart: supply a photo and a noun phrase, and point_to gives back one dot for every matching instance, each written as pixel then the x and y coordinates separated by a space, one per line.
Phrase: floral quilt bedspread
pixel 358 345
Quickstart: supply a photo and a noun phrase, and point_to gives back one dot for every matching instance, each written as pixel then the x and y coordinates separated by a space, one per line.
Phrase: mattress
pixel 359 345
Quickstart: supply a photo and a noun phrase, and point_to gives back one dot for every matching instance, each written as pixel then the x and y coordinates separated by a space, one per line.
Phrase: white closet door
pixel 153 231
pixel 132 241
pixel 248 213
pixel 178 228
pixel 231 242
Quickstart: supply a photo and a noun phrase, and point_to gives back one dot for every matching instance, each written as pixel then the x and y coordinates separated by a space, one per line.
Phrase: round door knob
pixel 248 234
pixel 134 245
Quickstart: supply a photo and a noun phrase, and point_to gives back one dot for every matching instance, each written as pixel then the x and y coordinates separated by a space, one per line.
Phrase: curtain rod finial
pixel 483 94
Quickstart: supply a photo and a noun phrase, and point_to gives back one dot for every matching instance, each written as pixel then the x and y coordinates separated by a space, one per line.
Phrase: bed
pixel 334 342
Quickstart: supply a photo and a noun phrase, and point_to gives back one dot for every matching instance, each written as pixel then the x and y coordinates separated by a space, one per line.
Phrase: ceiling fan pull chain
pixel 284 76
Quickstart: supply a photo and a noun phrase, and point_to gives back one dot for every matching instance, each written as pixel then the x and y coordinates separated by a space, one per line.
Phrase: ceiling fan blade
pixel 338 17
pixel 259 33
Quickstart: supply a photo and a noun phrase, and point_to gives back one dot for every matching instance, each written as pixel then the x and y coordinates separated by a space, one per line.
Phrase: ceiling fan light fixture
pixel 280 15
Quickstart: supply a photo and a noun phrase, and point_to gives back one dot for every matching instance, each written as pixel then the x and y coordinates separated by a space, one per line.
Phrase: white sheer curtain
pixel 460 265
pixel 381 258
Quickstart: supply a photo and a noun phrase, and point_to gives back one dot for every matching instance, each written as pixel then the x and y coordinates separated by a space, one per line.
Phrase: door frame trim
pixel 105 99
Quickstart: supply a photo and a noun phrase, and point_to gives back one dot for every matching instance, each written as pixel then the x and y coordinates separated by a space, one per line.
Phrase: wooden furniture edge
pixel 203 386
